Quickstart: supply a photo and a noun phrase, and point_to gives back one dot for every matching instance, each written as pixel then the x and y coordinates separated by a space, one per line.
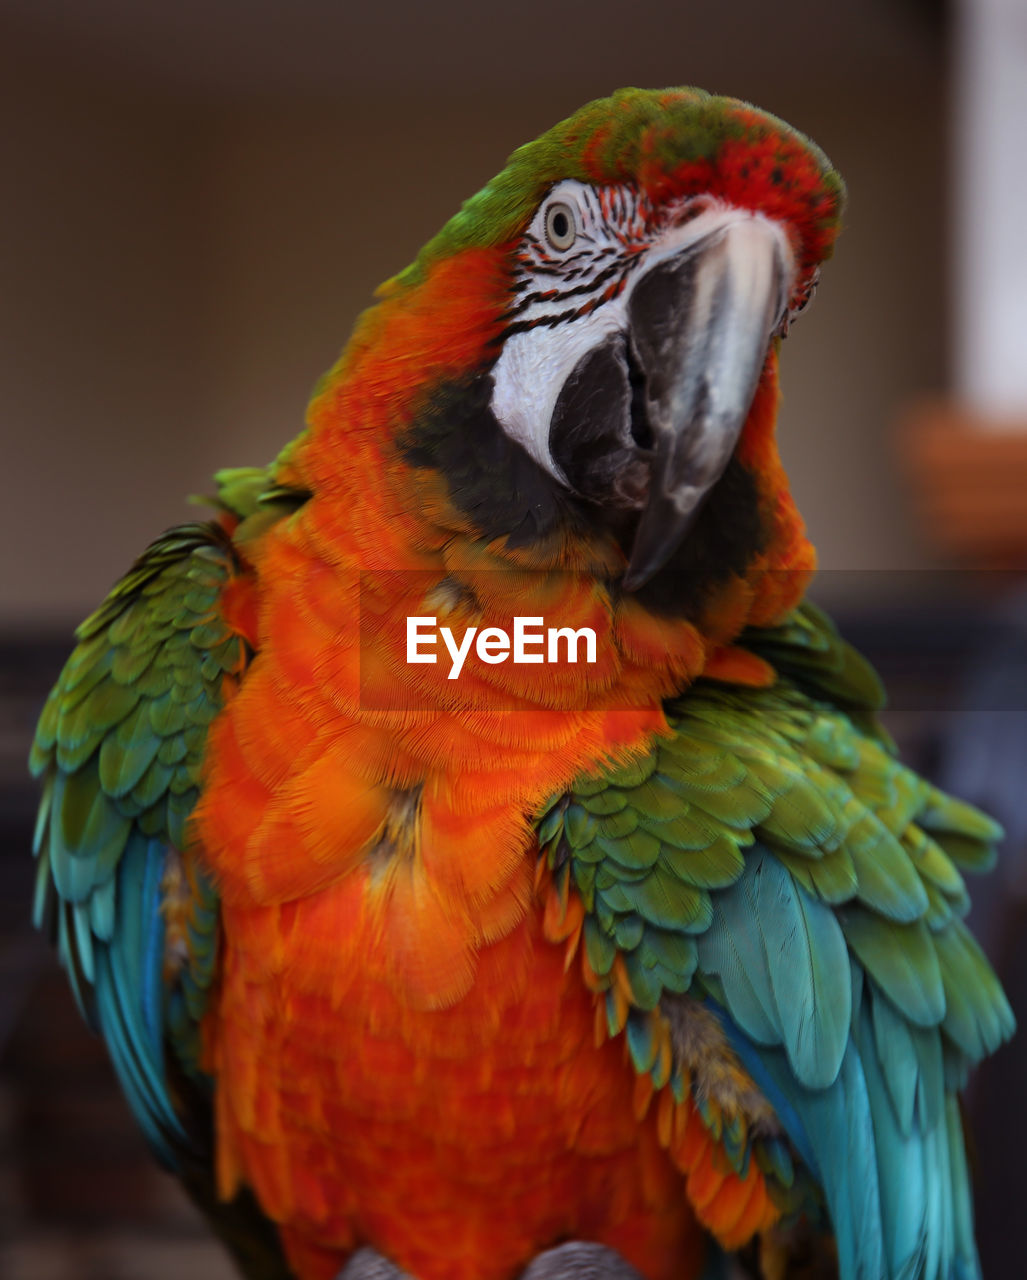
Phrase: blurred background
pixel 199 197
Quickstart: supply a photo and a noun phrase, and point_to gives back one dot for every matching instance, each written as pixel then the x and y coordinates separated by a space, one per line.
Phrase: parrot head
pixel 577 353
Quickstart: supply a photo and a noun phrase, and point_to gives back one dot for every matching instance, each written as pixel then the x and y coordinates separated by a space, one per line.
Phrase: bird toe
pixel 579 1261
pixel 366 1264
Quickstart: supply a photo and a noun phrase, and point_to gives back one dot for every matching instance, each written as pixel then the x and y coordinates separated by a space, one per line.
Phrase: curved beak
pixel 699 326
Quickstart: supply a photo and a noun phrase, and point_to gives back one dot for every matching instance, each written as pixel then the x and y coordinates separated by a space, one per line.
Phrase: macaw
pixel 580 964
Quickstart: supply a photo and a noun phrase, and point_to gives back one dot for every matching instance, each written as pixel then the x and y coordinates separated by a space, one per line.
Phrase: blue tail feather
pixel 899 1202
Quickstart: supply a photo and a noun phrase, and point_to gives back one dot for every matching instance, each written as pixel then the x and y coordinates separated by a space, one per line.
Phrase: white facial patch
pixel 570 300
pixel 532 370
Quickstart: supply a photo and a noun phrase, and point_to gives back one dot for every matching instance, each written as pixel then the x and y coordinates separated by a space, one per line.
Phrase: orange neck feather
pixel 443 775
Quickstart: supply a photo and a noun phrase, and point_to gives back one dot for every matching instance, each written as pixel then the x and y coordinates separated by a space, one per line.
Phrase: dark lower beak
pixel 700 324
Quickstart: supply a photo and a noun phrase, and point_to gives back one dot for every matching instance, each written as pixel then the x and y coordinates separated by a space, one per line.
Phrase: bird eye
pixel 560 229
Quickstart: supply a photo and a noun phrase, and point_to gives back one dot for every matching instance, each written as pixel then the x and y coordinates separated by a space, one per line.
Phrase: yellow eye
pixel 560 229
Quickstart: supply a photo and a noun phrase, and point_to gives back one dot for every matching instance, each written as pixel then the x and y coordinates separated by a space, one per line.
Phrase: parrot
pixel 623 947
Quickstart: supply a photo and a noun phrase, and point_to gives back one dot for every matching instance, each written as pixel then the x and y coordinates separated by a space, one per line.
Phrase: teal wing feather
pixel 119 747
pixel 774 864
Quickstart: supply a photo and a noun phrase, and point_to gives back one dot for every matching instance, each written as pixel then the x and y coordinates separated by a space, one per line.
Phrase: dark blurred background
pixel 197 200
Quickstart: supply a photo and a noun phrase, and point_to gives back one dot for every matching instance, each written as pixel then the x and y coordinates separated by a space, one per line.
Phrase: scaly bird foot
pixel 366 1264
pixel 574 1261
pixel 580 1261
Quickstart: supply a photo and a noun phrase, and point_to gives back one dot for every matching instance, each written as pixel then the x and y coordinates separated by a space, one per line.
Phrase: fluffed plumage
pixel 663 951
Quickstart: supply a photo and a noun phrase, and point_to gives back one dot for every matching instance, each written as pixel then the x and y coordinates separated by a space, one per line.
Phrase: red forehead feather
pixel 670 143
pixel 765 171
pixel 745 157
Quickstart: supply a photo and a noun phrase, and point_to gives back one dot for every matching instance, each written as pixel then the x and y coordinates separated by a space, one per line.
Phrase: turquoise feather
pixel 773 860
pixel 120 747
pixel 898 1060
pixel 733 950
pixel 902 1155
pixel 808 967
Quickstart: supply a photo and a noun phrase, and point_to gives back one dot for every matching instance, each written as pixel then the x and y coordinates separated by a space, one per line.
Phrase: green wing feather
pixel 120 746
pixel 773 859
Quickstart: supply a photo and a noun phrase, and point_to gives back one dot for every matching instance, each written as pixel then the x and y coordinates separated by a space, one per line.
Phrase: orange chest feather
pixel 337 758
pixel 400 1055
pixel 397 1049
pixel 458 1141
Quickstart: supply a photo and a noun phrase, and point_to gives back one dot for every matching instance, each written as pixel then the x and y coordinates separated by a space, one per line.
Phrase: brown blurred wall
pixel 179 267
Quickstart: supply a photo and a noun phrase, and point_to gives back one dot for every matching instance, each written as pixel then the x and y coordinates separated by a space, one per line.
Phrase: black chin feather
pixel 726 537
pixel 506 494
pixel 491 478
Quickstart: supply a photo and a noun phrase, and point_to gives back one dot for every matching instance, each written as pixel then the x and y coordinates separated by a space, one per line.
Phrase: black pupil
pixel 560 224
